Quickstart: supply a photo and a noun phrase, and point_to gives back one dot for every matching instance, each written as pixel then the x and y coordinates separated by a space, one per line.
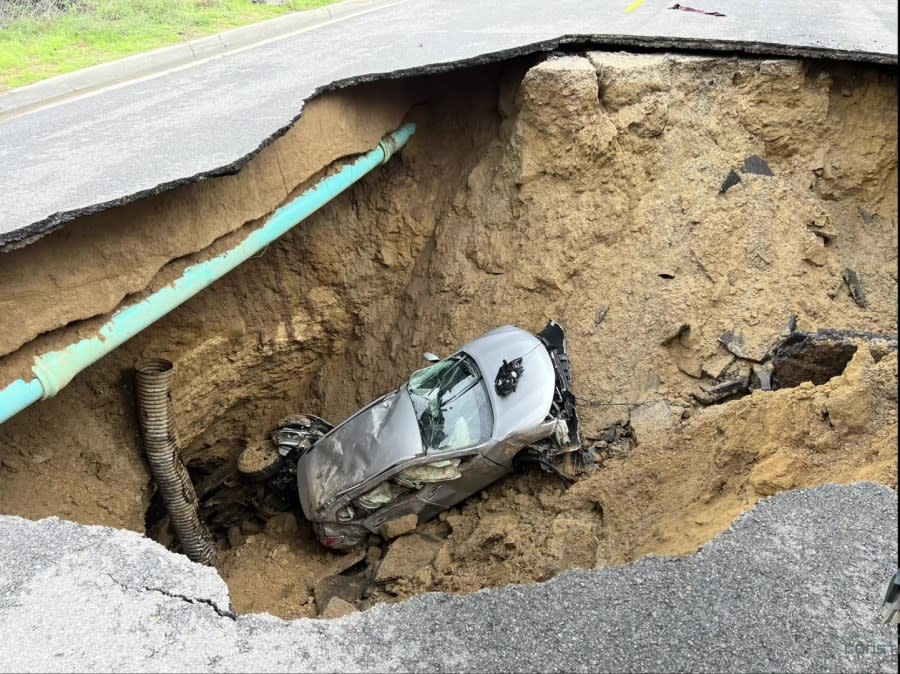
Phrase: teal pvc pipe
pixel 55 369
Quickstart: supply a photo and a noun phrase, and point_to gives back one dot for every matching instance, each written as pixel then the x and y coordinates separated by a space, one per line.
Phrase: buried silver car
pixel 455 427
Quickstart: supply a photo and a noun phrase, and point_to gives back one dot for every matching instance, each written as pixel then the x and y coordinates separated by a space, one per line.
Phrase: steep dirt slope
pixel 584 188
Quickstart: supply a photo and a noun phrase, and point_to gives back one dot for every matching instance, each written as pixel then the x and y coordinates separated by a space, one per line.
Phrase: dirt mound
pixel 590 189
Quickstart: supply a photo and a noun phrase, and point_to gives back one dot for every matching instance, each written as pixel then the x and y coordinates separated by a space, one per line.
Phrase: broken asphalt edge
pixel 62 87
pixel 30 233
pixel 810 543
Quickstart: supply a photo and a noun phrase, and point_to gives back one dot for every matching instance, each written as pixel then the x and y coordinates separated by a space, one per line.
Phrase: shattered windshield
pixel 451 404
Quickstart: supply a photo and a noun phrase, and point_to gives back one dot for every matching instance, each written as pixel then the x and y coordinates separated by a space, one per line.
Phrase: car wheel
pixel 259 461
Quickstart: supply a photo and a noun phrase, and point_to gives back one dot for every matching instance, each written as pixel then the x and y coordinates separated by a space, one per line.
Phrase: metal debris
pixel 600 316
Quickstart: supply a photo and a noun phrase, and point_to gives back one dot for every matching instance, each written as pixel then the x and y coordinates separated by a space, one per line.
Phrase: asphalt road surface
pixel 795 585
pixel 122 143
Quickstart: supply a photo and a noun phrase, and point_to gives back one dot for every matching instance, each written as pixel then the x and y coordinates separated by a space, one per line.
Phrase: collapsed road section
pixel 594 187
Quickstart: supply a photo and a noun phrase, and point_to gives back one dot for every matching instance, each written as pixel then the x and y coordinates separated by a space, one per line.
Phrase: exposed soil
pixel 582 188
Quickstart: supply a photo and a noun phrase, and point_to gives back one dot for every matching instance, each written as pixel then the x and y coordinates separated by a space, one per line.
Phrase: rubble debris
pixel 600 316
pixel 650 418
pixel 348 588
pixel 399 526
pixel 756 165
pixel 734 342
pixel 790 326
pixel 730 181
pixel 816 253
pixel 725 391
pixel 761 376
pixel 407 555
pixel 716 367
pixel 684 8
pixel 337 608
pixel 345 561
pixel 819 356
pixel 851 278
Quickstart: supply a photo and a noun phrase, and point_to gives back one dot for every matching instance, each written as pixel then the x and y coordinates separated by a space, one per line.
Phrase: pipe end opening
pixel 154 366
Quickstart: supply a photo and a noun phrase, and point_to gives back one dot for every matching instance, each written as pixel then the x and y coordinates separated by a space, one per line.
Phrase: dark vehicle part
pixel 157 421
pixel 508 377
pixel 554 338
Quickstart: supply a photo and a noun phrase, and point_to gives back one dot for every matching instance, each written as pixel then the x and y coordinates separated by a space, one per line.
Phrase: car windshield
pixel 451 404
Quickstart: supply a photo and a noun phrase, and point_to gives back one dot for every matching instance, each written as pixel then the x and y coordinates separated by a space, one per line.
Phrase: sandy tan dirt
pixel 583 188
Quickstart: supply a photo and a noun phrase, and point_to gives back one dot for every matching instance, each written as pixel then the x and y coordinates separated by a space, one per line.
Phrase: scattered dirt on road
pixel 586 188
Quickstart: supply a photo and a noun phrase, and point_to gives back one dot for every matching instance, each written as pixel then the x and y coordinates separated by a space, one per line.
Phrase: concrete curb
pixel 58 88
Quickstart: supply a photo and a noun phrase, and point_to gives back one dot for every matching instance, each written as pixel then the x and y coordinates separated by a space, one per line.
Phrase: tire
pixel 259 461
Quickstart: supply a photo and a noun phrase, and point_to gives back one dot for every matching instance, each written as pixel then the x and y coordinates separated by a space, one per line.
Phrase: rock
pixel 730 181
pixel 756 164
pixel 251 527
pixel 851 278
pixel 761 377
pixel 715 367
pixel 283 523
pixel 688 362
pixel 734 343
pixel 651 418
pixel 373 554
pixel 443 560
pixel 406 556
pixel 345 561
pixel 348 588
pixel 235 537
pixel 399 526
pixel 337 608
pixel 816 253
pixel 723 391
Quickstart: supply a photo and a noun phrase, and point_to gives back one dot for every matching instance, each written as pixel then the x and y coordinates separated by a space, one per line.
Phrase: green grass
pixel 34 47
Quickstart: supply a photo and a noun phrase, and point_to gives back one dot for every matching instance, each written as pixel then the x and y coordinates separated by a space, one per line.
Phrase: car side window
pixel 451 404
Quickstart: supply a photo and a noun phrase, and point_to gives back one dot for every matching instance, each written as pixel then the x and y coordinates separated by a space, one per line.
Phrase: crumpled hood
pixel 368 443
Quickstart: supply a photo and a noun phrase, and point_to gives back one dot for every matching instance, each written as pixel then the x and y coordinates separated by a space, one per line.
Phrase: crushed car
pixel 453 428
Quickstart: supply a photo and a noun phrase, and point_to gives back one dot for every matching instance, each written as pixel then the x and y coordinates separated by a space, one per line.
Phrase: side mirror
pixel 430 357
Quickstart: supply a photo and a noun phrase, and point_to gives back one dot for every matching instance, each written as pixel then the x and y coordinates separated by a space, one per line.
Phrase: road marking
pixel 633 6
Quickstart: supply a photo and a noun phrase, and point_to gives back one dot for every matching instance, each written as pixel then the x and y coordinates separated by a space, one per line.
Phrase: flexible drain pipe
pixel 157 419
pixel 55 369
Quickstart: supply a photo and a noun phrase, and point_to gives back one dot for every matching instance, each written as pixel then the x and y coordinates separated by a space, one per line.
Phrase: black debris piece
pixel 600 315
pixel 735 344
pixel 721 392
pixel 818 356
pixel 730 181
pixel 851 278
pixel 757 165
pixel 683 8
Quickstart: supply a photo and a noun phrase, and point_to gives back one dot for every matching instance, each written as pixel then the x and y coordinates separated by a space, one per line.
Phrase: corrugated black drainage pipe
pixel 157 419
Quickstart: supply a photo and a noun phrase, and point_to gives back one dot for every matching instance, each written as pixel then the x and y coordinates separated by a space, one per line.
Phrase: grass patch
pixel 43 38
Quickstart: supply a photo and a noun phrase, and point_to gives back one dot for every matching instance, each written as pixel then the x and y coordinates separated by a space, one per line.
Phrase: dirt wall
pixel 584 188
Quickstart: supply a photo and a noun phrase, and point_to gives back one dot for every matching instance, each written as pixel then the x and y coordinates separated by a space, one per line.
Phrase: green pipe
pixel 55 369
